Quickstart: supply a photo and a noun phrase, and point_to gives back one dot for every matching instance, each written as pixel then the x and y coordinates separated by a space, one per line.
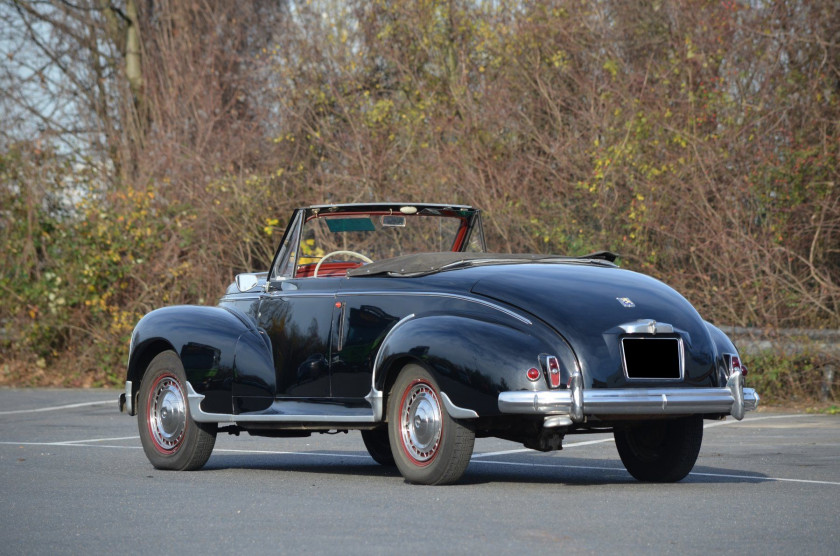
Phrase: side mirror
pixel 246 282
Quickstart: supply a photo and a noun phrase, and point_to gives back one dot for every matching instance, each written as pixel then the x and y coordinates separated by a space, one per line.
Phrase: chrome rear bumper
pixel 577 403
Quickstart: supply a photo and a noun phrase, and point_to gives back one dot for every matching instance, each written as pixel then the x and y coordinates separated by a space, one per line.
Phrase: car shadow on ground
pixel 569 471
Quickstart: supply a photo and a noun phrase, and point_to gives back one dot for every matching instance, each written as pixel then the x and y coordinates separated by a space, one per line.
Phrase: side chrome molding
pixel 378 359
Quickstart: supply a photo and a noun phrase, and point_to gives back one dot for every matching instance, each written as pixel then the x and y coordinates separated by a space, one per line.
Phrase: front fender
pixel 206 339
pixel 472 360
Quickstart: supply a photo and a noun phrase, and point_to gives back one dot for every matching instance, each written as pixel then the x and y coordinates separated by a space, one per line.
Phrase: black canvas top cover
pixel 429 263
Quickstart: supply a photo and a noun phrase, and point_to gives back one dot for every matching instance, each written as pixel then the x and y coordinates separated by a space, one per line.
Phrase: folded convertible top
pixel 429 263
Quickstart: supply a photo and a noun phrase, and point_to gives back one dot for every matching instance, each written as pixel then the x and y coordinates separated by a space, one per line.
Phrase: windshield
pixel 330 240
pixel 377 236
pixel 331 244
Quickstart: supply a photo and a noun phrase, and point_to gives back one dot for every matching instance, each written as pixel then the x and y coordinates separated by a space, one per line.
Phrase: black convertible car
pixel 391 319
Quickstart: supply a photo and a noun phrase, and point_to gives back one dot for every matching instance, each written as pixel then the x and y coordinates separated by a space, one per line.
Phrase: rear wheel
pixel 661 451
pixel 170 438
pixel 378 446
pixel 428 446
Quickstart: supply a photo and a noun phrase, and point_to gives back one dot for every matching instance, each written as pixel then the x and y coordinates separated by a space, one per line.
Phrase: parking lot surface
pixel 74 479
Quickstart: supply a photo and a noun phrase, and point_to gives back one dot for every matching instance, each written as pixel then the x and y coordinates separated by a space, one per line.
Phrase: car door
pixel 362 324
pixel 297 316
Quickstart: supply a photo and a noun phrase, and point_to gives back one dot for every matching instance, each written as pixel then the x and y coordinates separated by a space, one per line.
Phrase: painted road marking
pixel 621 469
pixel 751 419
pixel 67 442
pixel 766 478
pixel 477 458
pixel 56 407
pixel 523 450
pixel 491 462
pixel 272 452
pixel 603 440
pixel 483 461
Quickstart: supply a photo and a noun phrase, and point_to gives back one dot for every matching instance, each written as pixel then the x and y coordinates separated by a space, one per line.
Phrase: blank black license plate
pixel 652 358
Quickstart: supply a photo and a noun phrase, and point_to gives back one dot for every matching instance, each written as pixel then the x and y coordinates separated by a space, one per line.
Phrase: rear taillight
pixel 551 366
pixel 737 365
pixel 733 363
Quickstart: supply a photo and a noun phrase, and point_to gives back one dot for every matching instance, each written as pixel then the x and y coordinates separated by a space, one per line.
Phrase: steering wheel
pixel 328 255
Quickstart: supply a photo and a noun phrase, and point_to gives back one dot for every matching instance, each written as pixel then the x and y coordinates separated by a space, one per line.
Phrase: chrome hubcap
pixel 420 423
pixel 167 414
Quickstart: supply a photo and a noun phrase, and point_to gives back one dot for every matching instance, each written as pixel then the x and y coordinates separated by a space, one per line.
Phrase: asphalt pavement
pixel 75 480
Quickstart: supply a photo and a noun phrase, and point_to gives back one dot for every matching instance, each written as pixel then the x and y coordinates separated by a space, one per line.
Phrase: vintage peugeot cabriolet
pixel 391 319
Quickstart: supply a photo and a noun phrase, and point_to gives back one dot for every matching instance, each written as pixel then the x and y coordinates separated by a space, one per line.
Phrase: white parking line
pixel 279 453
pixel 751 419
pixel 622 470
pixel 523 450
pixel 477 458
pixel 67 442
pixel 604 440
pixel 56 407
pixel 502 453
pixel 552 465
pixel 753 477
pixel 78 443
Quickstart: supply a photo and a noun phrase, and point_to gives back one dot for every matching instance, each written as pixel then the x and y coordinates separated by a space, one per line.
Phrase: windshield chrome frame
pixel 283 264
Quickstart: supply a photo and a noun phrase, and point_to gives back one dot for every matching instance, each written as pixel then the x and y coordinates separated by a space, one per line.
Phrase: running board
pixel 289 411
pixel 283 411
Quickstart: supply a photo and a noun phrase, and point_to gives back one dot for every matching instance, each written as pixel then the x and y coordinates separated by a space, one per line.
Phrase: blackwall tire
pixel 429 447
pixel 170 438
pixel 379 446
pixel 661 451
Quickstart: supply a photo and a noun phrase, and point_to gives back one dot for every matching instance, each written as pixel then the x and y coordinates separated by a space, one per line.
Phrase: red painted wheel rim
pixel 420 422
pixel 167 414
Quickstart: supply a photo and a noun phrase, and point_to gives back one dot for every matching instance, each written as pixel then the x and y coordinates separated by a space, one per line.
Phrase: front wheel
pixel 429 446
pixel 661 451
pixel 170 438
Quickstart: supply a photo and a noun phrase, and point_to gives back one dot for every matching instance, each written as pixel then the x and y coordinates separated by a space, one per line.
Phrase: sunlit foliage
pixel 699 139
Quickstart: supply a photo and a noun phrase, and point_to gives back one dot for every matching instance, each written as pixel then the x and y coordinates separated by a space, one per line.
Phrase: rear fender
pixel 472 360
pixel 724 348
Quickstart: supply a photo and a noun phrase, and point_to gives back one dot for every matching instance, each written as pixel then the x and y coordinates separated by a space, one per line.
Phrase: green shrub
pixel 801 379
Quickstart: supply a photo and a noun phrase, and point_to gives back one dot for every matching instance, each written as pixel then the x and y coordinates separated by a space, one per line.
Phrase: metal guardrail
pixel 784 340
pixel 792 341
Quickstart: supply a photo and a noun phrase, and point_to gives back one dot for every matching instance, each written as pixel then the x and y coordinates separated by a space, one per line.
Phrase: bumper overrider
pixel 574 404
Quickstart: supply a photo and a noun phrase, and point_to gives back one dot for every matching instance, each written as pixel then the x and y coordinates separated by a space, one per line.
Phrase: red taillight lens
pixel 553 372
pixel 533 374
pixel 551 367
pixel 738 366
